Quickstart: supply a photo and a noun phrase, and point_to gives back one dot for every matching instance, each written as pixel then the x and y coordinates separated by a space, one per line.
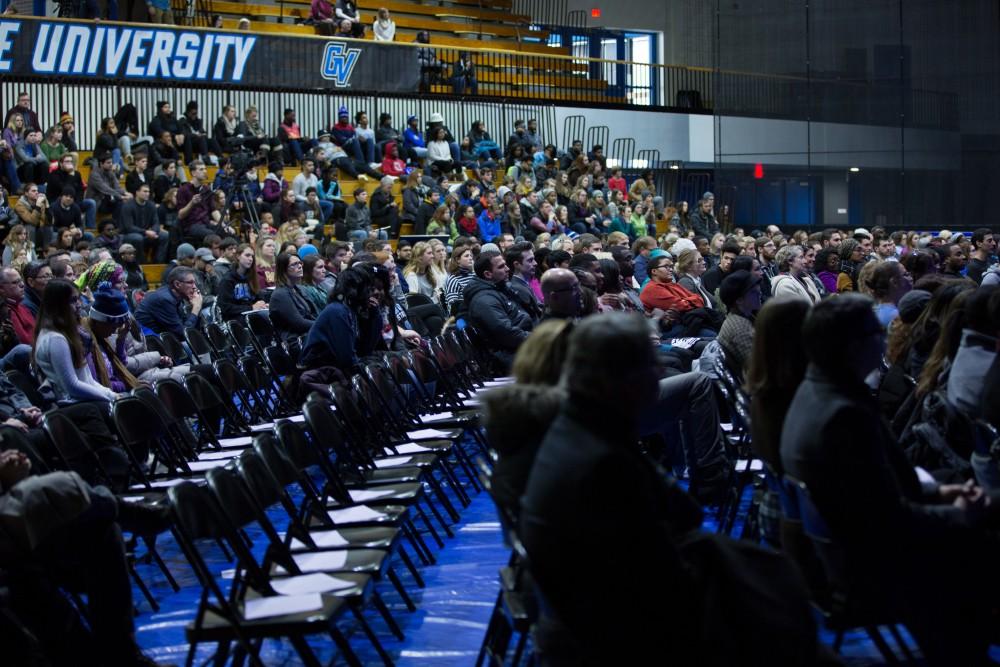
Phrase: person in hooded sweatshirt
pixel 392 163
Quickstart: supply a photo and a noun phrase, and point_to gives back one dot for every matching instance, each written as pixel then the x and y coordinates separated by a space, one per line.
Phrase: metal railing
pixel 504 75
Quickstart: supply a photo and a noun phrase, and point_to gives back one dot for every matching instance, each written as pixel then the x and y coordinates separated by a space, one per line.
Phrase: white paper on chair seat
pixel 726 427
pixel 355 514
pixel 363 495
pixel 755 464
pixel 324 560
pixel 440 416
pixel 217 456
pixel 426 433
pixel 280 605
pixel 164 484
pixel 131 499
pixel 499 382
pixel 324 539
pixel 408 448
pixel 241 441
pixel 317 582
pixel 392 462
pixel 269 426
pixel 202 466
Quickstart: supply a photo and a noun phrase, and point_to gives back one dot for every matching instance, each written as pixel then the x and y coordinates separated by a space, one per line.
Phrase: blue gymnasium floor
pixel 446 629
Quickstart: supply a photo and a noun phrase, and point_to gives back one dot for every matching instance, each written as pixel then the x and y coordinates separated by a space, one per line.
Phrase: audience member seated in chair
pixel 59 351
pixel 615 546
pixel 500 323
pixel 912 547
pixel 349 328
pixel 60 532
pixel 174 307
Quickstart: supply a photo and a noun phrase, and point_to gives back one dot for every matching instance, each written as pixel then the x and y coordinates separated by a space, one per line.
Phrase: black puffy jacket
pixel 494 313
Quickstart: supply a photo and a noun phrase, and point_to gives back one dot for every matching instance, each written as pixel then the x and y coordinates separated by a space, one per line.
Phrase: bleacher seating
pixel 511 60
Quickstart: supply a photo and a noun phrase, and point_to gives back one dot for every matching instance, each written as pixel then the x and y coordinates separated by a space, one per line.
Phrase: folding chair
pixel 200 346
pixel 221 616
pixel 844 611
pixel 332 495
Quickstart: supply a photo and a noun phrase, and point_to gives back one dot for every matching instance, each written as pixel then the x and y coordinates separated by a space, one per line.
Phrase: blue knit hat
pixel 342 111
pixel 306 250
pixel 109 306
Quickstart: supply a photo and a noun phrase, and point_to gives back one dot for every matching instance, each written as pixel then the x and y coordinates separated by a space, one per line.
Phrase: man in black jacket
pixel 907 545
pixel 384 212
pixel 702 219
pixel 166 121
pixel 520 259
pixel 595 505
pixel 141 227
pixel 67 176
pixel 500 323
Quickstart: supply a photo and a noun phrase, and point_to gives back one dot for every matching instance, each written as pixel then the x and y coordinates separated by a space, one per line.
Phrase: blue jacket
pixel 489 227
pixel 162 311
pixel 332 340
pixel 412 138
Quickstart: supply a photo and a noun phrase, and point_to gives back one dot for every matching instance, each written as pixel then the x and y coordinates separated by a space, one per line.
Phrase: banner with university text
pixel 171 55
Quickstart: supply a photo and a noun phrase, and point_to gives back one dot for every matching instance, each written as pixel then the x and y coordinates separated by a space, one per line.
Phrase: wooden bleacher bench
pixel 301 11
pixel 154 274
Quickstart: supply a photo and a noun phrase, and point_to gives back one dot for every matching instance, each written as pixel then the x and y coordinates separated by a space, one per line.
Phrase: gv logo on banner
pixel 338 63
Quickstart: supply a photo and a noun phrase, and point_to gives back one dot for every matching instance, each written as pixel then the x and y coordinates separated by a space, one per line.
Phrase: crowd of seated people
pixel 543 243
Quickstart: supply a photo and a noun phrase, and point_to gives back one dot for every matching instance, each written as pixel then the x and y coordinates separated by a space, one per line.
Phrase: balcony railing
pixel 56 49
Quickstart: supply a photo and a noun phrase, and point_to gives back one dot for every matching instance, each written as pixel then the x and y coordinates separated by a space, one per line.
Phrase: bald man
pixel 561 291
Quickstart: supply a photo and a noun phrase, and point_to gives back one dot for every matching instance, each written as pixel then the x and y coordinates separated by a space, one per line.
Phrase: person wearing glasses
pixel 174 307
pixel 292 313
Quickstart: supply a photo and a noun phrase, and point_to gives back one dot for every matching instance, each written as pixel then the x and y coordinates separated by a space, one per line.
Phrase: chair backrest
pixel 200 345
pixel 222 413
pixel 257 476
pixel 279 360
pixel 304 454
pixel 282 469
pixel 28 387
pixel 154 344
pixel 177 427
pixel 173 347
pixel 219 339
pixel 199 516
pixel 242 339
pixel 830 553
pixel 141 429
pixel 261 328
pixel 73 448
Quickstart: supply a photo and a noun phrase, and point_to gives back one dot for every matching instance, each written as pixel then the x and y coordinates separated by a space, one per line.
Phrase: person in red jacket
pixel 392 165
pixel 661 293
pixel 12 291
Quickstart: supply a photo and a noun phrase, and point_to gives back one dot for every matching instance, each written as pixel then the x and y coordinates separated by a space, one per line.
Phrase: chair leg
pixel 150 541
pixel 427 523
pixel 384 612
pixel 880 643
pixel 371 636
pixel 837 641
pixel 417 542
pixel 302 648
pixel 398 585
pixel 488 637
pixel 519 650
pixel 142 588
pixel 443 499
pixel 345 647
pixel 409 566
pixel 902 644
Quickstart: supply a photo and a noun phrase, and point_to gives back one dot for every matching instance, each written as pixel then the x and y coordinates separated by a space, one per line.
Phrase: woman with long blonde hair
pixel 421 272
pixel 17 241
pixel 265 252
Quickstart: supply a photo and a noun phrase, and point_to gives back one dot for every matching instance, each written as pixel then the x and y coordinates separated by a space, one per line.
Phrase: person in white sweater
pixel 385 27
pixel 58 350
pixel 793 282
